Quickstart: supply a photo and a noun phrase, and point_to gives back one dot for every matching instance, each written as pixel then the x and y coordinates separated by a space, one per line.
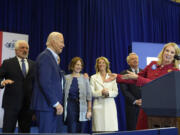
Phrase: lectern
pixel 161 101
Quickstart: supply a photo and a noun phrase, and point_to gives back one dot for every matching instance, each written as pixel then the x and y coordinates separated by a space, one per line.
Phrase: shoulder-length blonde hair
pixel 177 52
pixel 107 64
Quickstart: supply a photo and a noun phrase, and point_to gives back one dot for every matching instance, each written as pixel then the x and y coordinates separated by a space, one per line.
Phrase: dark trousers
pixel 73 123
pixel 47 121
pixel 23 116
pixel 131 117
pixel 61 128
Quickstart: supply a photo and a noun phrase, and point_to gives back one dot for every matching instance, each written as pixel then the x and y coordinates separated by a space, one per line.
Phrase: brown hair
pixel 73 63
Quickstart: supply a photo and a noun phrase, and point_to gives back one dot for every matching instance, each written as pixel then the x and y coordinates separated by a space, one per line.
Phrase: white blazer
pixel 104 116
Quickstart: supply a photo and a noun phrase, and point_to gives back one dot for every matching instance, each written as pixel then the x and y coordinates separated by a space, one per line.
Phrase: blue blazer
pixel 48 83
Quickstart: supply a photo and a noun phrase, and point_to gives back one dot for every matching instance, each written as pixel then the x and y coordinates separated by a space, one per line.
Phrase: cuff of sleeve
pixel 134 102
pixel 1 83
pixel 118 79
pixel 139 81
pixel 1 86
pixel 56 104
pixel 100 93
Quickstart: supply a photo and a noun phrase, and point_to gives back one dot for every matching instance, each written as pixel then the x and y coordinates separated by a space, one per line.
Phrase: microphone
pixel 177 57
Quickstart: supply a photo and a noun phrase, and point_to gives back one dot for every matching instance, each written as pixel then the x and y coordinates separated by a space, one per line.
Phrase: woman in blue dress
pixel 77 98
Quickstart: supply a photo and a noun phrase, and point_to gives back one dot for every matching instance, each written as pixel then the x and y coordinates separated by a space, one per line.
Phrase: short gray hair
pixel 16 45
pixel 53 36
pixel 130 54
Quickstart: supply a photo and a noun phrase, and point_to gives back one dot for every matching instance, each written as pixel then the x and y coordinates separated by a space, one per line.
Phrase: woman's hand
pixel 130 75
pixel 105 92
pixel 112 77
pixel 86 75
pixel 88 115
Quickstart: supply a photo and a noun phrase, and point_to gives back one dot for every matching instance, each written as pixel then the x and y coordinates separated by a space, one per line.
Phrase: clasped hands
pixel 105 92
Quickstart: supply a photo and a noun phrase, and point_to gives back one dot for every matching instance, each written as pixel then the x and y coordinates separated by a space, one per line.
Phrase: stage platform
pixel 157 131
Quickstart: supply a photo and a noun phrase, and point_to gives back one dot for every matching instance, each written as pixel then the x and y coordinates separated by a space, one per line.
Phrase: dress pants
pixel 11 116
pixel 61 128
pixel 132 113
pixel 47 121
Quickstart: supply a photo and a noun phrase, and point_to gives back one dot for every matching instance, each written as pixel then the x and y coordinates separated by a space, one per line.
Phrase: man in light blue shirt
pixel 47 96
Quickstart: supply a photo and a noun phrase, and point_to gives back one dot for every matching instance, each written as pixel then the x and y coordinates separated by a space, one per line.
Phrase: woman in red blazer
pixel 166 63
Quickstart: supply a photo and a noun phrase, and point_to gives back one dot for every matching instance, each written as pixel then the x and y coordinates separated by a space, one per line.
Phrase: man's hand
pixel 5 82
pixel 138 102
pixel 59 109
pixel 34 117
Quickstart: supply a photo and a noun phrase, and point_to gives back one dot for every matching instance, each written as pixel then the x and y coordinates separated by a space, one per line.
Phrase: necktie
pixel 23 68
pixel 58 60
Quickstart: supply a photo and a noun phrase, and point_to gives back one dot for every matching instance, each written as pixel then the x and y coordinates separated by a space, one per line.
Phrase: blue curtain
pixel 93 28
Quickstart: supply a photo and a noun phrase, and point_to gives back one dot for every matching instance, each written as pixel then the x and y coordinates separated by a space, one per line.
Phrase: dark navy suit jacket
pixel 48 83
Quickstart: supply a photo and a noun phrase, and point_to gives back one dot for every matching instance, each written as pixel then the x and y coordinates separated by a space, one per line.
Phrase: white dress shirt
pixel 26 64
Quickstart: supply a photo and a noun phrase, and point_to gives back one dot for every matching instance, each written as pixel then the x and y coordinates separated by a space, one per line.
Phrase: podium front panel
pixel 161 97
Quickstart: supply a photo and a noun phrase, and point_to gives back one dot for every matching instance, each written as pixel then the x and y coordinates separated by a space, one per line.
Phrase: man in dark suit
pixel 16 75
pixel 132 94
pixel 47 96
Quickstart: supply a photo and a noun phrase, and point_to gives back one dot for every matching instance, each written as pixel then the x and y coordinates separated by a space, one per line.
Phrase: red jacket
pixel 151 72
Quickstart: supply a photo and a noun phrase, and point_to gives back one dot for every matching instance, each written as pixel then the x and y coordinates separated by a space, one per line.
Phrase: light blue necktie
pixel 23 68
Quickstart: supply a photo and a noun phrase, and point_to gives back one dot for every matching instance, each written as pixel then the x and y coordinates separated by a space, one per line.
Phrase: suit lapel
pixel 130 69
pixel 30 67
pixel 99 80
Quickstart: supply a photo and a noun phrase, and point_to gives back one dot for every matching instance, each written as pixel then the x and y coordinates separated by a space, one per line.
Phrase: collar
pixel 19 59
pixel 54 54
pixel 167 66
pixel 135 70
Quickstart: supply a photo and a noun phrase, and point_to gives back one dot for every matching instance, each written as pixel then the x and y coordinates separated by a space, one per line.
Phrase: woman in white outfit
pixel 104 117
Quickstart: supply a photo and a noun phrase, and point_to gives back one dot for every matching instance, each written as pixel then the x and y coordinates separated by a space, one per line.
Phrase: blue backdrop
pixel 146 50
pixel 93 28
